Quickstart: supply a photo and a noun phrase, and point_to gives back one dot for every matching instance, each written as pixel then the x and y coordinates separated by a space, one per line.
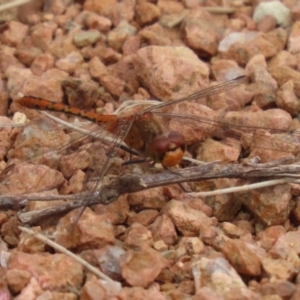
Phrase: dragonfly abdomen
pixel 42 104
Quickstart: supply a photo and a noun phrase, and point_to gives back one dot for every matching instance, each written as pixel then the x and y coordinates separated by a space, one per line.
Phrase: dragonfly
pixel 145 133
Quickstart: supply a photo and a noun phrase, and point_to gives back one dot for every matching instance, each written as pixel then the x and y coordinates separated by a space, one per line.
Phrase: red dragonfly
pixel 140 131
pixel 144 132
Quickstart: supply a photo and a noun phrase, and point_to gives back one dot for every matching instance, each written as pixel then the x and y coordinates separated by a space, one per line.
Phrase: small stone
pixel 187 220
pixel 266 24
pixel 270 205
pixel 200 33
pixel 287 99
pixel 141 267
pixel 42 63
pixel 15 33
pixel 86 38
pixel 118 35
pixel 212 150
pixel 212 273
pixel 193 245
pixel 160 246
pixel 138 235
pixel 282 288
pixel 135 293
pixel 230 230
pixel 94 21
pixel 116 211
pixel 17 279
pixel 293 42
pixel 275 9
pixel 278 269
pixel 109 260
pixel 70 62
pixel 153 199
pixel 242 258
pixel 91 231
pixel 268 237
pixel 188 72
pixel 144 217
pixel 163 229
pixel 147 13
pixel 52 271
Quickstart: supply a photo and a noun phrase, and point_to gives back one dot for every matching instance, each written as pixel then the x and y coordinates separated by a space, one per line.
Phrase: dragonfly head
pixel 167 150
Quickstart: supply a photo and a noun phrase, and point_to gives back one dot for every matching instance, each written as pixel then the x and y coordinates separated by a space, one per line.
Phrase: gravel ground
pixel 163 242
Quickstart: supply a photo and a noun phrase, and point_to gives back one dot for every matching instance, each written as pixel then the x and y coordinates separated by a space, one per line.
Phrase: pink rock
pixel 57 7
pixel 94 21
pixel 27 54
pixel 283 58
pixel 212 150
pixel 187 220
pixel 141 267
pixel 42 35
pixel 266 24
pixel 109 258
pixel 136 293
pixel 98 7
pixel 31 291
pixel 144 217
pixel 95 288
pixel 252 43
pixel 42 63
pixel 118 35
pixel 91 231
pixel 153 199
pixel 242 258
pixel 206 293
pixel 224 206
pixel 112 84
pixel 282 74
pixel 8 59
pixel 287 99
pixel 268 237
pixel 17 279
pixel 231 230
pixel 15 33
pixel 26 178
pixel 271 205
pixel 131 45
pixel 155 35
pixel 116 211
pixel 186 69
pixel 293 41
pixel 39 134
pixel 147 13
pixel 278 269
pixel 169 7
pixel 212 273
pixel 55 271
pixel 283 289
pixel 138 235
pixel 286 244
pixel 69 164
pixel 69 63
pixel 97 68
pixel 200 33
pixel 48 86
pixel 192 245
pixel 164 229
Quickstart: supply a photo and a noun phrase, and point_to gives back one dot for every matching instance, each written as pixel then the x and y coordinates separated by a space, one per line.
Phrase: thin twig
pixel 131 183
pixel 62 249
pixel 13 4
pixel 244 188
